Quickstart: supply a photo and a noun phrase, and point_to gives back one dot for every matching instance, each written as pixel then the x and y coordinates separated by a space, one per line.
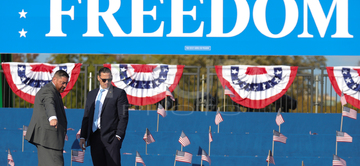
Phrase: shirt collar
pixel 104 89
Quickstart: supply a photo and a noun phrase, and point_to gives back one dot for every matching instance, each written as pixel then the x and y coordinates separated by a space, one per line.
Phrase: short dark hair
pixel 104 70
pixel 61 73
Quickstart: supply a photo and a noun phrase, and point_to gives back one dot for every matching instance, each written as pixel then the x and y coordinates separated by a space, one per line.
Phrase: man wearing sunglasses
pixel 105 121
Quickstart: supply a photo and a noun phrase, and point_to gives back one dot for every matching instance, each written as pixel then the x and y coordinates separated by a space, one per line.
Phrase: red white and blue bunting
pixel 145 83
pixel 256 86
pixel 26 79
pixel 345 79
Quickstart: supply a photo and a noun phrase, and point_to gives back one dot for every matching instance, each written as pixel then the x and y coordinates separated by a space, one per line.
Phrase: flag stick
pixel 135 163
pixel 22 147
pixel 342 117
pixel 336 148
pixel 181 148
pixel 165 103
pixel 268 163
pixel 146 148
pixel 209 140
pixel 279 128
pixel 71 158
pixel 175 160
pixel 157 128
pixel 302 163
pixel 273 148
pixel 218 127
pixel 201 163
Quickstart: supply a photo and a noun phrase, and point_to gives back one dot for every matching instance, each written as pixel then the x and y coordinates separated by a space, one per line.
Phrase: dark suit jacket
pixel 48 103
pixel 114 115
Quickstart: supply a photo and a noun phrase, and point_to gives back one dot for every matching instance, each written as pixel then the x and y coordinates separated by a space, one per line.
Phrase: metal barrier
pixel 185 93
pixel 298 98
pixel 74 99
pixel 304 95
pixel 328 101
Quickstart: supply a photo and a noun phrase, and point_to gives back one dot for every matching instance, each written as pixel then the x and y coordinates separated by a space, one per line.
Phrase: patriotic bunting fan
pixel 346 79
pixel 256 86
pixel 26 79
pixel 145 84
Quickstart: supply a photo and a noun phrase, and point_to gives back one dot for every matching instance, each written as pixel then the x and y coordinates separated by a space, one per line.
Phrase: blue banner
pixel 210 27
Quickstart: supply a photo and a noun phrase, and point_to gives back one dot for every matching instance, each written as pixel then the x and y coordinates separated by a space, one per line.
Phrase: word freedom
pixel 217 22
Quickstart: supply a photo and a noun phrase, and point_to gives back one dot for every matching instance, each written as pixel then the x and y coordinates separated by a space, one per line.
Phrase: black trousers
pixel 103 153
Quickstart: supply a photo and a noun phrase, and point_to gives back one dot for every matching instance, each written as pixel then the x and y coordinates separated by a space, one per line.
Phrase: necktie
pixel 97 110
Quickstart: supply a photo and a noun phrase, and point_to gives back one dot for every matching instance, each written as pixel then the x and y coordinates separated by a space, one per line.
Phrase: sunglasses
pixel 104 80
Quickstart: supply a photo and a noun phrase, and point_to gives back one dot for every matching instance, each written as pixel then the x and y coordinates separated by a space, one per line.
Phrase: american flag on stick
pixel 78 134
pixel 24 130
pixel 183 156
pixel 279 119
pixel 77 156
pixel 161 110
pixel 351 113
pixel 184 140
pixel 277 136
pixel 270 158
pixel 343 99
pixel 337 161
pixel 205 157
pixel 343 137
pixel 227 91
pixel 218 118
pixel 138 158
pixel 10 158
pixel 148 138
pixel 168 93
pixel 210 137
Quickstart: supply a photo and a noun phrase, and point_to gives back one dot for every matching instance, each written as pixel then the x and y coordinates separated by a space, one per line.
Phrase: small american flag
pixel 218 118
pixel 337 161
pixel 227 91
pixel 78 134
pixel 24 130
pixel 168 93
pixel 210 137
pixel 66 138
pixel 279 119
pixel 351 113
pixel 184 140
pixel 77 156
pixel 183 157
pixel 10 159
pixel 270 158
pixel 161 110
pixel 343 99
pixel 205 157
pixel 279 137
pixel 343 137
pixel 138 158
pixel 148 138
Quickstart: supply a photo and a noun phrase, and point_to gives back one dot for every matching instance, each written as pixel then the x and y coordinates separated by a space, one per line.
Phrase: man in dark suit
pixel 47 128
pixel 105 121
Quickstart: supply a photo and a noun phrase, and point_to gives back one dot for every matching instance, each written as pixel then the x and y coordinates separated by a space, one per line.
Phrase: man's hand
pixel 54 123
pixel 82 144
